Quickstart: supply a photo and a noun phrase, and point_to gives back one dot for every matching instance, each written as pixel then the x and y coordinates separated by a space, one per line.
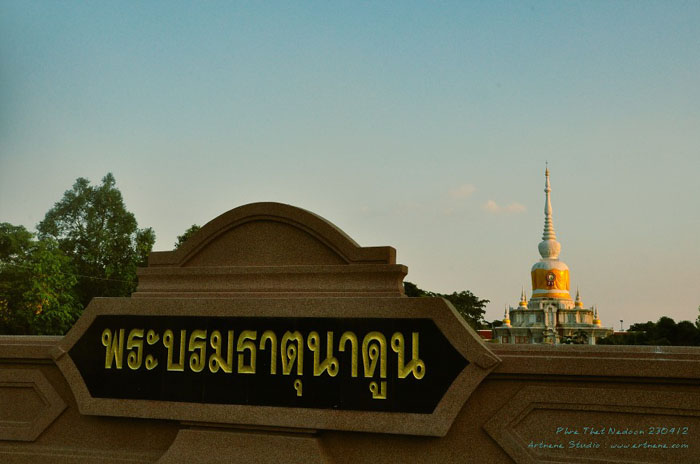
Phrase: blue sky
pixel 424 126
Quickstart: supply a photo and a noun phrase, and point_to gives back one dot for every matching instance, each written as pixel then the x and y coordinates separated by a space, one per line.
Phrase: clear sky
pixel 424 126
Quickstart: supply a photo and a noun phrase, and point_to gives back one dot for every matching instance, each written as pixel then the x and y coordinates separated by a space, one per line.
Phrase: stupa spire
pixel 549 247
pixel 579 302
pixel 548 233
pixel 506 318
pixel 523 299
pixel 596 319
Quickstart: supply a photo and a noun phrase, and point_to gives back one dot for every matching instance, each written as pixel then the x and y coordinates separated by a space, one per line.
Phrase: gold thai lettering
pixel 191 350
pixel 151 338
pixel 151 362
pixel 298 386
pixel 270 335
pixel 291 352
pixel 352 338
pixel 114 348
pixel 135 342
pixel 415 366
pixel 330 364
pixel 168 342
pixel 373 352
pixel 198 347
pixel 378 391
pixel 246 341
pixel 216 360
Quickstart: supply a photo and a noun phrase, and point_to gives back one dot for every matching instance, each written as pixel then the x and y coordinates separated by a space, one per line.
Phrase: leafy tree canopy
pixel 14 242
pixel 194 228
pixel 410 289
pixel 469 306
pixel 92 226
pixel 663 332
pixel 36 285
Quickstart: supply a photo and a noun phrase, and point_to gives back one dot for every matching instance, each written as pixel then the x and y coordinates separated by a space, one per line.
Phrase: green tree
pixel 410 289
pixel 93 227
pixel 469 306
pixel 14 242
pixel 663 332
pixel 686 334
pixel 36 285
pixel 194 228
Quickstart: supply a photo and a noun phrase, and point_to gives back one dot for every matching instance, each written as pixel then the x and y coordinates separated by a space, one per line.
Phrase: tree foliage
pixel 194 228
pixel 411 290
pixel 663 332
pixel 36 285
pixel 92 226
pixel 469 306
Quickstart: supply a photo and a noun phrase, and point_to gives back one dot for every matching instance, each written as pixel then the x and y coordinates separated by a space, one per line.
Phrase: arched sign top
pixel 271 250
pixel 270 234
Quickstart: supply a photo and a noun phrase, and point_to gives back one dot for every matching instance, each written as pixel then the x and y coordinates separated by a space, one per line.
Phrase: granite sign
pixel 210 358
pixel 271 336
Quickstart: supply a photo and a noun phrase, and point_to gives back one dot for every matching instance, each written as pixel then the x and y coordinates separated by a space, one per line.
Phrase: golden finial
pixel 596 319
pixel 523 298
pixel 579 302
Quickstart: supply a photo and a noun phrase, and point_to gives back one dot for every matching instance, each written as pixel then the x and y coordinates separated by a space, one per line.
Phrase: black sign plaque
pixel 398 365
pixel 393 365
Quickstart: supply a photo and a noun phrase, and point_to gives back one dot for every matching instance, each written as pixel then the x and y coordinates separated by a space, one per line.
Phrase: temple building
pixel 551 316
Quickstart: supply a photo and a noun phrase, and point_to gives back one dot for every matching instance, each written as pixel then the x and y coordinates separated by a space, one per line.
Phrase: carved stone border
pixel 501 427
pixel 464 340
pixel 53 404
